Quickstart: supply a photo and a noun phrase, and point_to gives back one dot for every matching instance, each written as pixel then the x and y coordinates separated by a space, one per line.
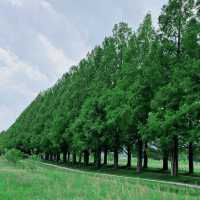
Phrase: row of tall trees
pixel 137 88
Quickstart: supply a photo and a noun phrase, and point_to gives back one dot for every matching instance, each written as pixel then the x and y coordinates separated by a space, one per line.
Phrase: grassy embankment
pixel 30 180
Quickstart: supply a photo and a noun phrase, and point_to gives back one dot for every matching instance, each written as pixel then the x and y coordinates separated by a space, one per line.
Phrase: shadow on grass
pixel 149 174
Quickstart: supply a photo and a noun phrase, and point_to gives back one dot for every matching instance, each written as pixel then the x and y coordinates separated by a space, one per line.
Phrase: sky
pixel 41 39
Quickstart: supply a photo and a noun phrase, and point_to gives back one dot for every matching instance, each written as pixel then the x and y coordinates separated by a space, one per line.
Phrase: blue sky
pixel 41 39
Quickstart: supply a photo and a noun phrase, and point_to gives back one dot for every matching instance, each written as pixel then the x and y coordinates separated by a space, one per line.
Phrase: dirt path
pixel 124 177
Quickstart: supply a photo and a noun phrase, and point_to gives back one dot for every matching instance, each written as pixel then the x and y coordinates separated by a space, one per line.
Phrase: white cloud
pixel 20 82
pixel 47 6
pixel 56 56
pixel 10 65
pixel 17 3
pixel 6 113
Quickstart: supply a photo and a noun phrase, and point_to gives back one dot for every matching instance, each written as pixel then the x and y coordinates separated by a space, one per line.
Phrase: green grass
pixel 157 164
pixel 153 172
pixel 25 182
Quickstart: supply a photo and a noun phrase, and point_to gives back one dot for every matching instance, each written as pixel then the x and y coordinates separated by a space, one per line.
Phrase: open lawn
pixel 30 180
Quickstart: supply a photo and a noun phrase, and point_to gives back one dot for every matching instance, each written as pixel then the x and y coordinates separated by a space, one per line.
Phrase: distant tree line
pixel 137 88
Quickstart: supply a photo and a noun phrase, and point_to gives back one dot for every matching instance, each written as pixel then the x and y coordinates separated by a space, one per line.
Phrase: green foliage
pixel 136 85
pixel 2 142
pixel 13 155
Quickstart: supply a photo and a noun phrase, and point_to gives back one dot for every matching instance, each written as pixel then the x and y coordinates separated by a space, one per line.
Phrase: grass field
pixel 30 180
pixel 157 164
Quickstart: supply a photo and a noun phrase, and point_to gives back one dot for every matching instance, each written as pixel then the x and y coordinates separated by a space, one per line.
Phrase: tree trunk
pixel 98 158
pixel 95 157
pixel 190 158
pixel 51 156
pixel 74 158
pixel 80 158
pixel 41 156
pixel 105 156
pixel 54 157
pixel 145 165
pixel 174 157
pixel 139 145
pixel 129 156
pixel 86 158
pixel 46 156
pixel 165 160
pixel 57 157
pixel 64 157
pixel 68 157
pixel 116 158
